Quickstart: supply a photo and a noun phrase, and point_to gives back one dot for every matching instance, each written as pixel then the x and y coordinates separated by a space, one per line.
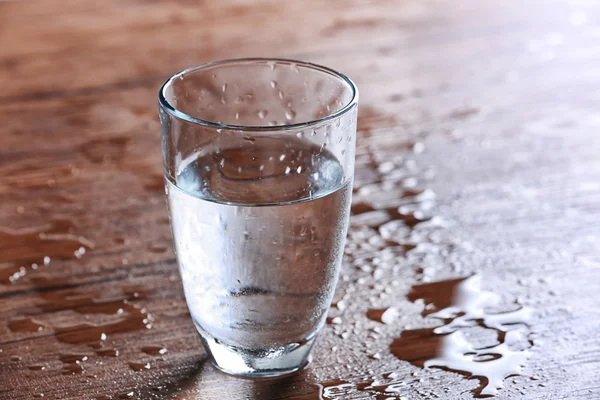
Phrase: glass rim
pixel 164 103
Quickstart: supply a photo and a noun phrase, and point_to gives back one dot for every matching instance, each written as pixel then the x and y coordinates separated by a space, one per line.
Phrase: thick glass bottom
pixel 257 363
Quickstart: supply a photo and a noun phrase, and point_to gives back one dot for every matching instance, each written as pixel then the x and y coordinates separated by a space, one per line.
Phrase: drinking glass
pixel 258 162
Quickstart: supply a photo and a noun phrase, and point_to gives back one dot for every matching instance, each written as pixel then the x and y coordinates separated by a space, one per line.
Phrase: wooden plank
pixel 486 110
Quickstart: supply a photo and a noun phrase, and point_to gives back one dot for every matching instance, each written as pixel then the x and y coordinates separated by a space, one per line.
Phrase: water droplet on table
pixel 154 350
pixel 139 366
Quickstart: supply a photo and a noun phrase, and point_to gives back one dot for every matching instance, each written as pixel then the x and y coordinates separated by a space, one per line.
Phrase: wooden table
pixel 487 111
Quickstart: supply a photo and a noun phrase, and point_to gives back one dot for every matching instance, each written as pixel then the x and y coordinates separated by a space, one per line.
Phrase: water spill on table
pixel 462 304
pixel 116 314
pixel 29 249
pixel 333 389
pixel 396 238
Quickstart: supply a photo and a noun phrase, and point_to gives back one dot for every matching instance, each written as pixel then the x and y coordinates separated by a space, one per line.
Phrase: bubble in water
pixel 299 169
pixel 262 114
pixel 280 94
pixel 299 135
pixel 282 157
pixel 273 84
pixel 224 88
pixel 287 170
pixel 291 114
pixel 237 115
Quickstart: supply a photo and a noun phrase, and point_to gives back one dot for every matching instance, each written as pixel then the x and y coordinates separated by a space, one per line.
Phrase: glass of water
pixel 259 161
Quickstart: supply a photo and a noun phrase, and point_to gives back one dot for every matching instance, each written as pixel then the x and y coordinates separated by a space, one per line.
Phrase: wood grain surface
pixel 478 153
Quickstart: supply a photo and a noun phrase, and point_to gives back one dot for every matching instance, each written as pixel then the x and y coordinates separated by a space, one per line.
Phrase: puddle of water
pixel 122 314
pixel 461 303
pixel 457 354
pixel 334 389
pixel 29 249
pixel 129 316
pixel 469 309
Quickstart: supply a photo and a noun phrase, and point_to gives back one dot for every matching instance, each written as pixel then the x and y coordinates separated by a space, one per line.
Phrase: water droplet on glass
pixel 282 157
pixel 299 135
pixel 291 114
pixel 262 114
pixel 224 88
pixel 299 169
pixel 287 170
pixel 273 84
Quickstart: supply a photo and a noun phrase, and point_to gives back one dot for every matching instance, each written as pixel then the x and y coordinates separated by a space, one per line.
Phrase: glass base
pixel 257 363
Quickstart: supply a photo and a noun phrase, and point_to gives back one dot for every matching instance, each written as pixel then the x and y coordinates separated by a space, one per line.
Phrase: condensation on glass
pixel 259 162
